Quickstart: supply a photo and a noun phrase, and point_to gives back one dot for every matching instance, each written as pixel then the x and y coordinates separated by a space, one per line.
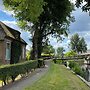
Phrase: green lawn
pixel 59 78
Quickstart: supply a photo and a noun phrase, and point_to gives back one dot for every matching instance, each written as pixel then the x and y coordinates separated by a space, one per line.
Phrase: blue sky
pixel 80 26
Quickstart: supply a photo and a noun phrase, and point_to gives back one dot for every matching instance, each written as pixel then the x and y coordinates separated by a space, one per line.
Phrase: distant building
pixel 7 37
pixel 86 55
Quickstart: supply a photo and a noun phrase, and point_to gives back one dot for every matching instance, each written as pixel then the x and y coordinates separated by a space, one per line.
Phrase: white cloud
pixel 9 12
pixel 73 1
pixel 63 43
pixel 9 22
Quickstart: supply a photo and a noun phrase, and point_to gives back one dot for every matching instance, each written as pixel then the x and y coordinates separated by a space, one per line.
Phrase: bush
pixel 12 71
pixel 76 68
pixel 59 61
pixel 54 60
pixel 72 64
pixel 41 63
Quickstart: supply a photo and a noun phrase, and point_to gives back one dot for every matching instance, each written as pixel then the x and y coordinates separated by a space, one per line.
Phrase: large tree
pixel 82 45
pixel 54 20
pixel 51 22
pixel 78 44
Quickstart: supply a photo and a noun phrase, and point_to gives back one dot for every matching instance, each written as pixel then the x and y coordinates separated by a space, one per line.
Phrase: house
pixel 10 43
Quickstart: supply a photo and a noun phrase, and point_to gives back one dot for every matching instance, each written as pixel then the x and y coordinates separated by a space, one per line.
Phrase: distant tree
pixel 70 53
pixel 60 51
pixel 74 42
pixel 78 44
pixel 48 49
pixel 28 54
pixel 82 45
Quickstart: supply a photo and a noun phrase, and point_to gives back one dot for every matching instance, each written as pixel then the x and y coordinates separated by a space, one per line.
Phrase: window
pixel 8 51
pixel 23 51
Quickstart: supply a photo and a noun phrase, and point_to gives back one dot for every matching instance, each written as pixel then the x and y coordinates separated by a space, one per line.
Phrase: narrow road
pixel 25 82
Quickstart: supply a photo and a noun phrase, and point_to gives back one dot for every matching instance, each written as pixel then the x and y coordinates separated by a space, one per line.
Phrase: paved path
pixel 25 82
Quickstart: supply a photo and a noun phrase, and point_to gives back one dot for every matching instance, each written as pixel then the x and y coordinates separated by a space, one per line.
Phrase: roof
pixel 12 33
pixel 7 32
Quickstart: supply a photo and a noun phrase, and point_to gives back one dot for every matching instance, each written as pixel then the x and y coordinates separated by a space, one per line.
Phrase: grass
pixel 59 78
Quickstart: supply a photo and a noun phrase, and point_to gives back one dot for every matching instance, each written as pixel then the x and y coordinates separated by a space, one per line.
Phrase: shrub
pixel 41 63
pixel 72 64
pixel 59 61
pixel 54 60
pixel 12 71
pixel 76 68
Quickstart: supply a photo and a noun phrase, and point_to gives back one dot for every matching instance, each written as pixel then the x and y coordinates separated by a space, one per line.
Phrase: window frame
pixel 8 44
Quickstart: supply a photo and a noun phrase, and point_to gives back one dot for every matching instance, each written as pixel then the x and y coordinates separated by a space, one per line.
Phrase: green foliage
pixel 70 54
pixel 82 45
pixel 78 44
pixel 27 10
pixel 12 71
pixel 59 61
pixel 47 55
pixel 48 49
pixel 60 51
pixel 28 55
pixel 76 68
pixel 53 19
pixel 41 63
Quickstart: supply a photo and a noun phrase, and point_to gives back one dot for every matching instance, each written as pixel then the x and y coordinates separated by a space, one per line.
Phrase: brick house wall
pixel 2 53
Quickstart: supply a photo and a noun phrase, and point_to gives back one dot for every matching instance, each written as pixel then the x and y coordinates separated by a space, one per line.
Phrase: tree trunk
pixel 36 45
pixel 39 45
pixel 34 53
pixel 37 41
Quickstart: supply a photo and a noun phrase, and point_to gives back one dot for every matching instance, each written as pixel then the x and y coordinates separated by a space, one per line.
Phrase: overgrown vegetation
pixel 77 69
pixel 12 71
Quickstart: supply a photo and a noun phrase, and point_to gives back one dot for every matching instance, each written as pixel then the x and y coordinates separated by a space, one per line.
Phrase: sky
pixel 80 26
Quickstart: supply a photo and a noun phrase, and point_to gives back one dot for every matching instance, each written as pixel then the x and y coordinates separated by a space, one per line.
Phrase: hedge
pixel 12 71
